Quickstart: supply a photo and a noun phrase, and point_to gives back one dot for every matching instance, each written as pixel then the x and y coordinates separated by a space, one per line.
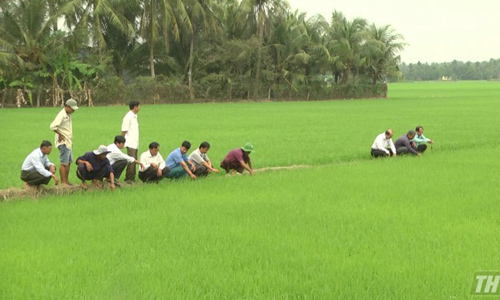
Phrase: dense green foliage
pixel 350 227
pixel 94 50
pixel 455 70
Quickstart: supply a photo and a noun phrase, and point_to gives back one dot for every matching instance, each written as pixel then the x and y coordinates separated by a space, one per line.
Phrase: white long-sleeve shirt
pixel 38 161
pixel 130 124
pixel 382 143
pixel 147 159
pixel 116 154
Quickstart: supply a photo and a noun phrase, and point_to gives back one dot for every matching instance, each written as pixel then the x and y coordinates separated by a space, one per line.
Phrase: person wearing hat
pixel 238 160
pixel 95 166
pixel 63 128
pixel 37 168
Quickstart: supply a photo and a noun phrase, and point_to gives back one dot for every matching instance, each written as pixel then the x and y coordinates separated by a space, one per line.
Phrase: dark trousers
pixel 84 175
pixel 201 170
pixel 34 178
pixel 402 150
pixel 130 175
pixel 380 153
pixel 150 174
pixel 421 148
pixel 228 166
pixel 118 167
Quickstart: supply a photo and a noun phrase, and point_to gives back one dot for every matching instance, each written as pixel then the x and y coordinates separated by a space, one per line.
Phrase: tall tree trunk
pixel 4 96
pixel 152 60
pixel 190 70
pixel 260 24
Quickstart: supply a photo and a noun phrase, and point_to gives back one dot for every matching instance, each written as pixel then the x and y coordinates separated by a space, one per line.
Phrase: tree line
pixel 102 51
pixel 455 70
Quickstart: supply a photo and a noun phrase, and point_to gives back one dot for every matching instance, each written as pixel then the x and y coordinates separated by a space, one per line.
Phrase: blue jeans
pixel 66 155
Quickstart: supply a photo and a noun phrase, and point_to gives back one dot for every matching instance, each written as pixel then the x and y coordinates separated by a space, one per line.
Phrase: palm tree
pixel 201 18
pixel 346 38
pixel 382 51
pixel 159 19
pixel 260 14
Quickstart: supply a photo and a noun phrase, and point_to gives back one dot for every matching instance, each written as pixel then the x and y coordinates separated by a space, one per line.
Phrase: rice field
pixel 347 227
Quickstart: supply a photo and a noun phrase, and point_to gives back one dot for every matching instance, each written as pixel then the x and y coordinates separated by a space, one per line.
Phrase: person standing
pixel 63 127
pixel 201 162
pixel 383 145
pixel 420 140
pixel 238 160
pixel 37 168
pixel 130 130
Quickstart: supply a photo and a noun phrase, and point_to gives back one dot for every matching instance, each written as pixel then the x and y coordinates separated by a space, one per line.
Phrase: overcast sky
pixel 436 30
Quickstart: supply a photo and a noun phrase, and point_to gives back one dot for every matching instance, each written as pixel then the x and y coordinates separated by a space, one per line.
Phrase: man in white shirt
pixel 37 168
pixel 130 130
pixel 118 159
pixel 202 163
pixel 153 165
pixel 383 145
pixel 63 127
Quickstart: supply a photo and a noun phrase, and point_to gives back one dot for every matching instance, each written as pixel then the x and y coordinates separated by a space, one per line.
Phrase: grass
pixel 350 227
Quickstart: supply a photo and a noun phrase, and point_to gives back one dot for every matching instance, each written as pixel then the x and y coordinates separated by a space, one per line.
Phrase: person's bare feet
pixel 28 187
pixel 96 183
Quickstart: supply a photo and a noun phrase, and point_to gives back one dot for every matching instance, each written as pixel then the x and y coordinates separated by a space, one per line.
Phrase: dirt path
pixel 34 193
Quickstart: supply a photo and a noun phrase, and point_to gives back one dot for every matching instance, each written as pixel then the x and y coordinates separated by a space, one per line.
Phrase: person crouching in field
pixel 153 166
pixel 37 168
pixel 420 140
pixel 177 162
pixel 94 165
pixel 404 145
pixel 200 160
pixel 383 145
pixel 238 160
pixel 118 159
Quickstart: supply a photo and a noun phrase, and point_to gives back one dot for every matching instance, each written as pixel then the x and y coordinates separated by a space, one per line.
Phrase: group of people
pixel 413 143
pixel 109 162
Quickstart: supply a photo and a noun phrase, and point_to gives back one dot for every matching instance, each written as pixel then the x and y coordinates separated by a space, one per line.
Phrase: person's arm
pixel 186 168
pixel 84 160
pixel 125 124
pixel 144 161
pixel 208 165
pixel 407 144
pixel 380 145
pixel 393 148
pixel 111 173
pixel 39 167
pixel 54 126
pixel 248 168
pixel 427 140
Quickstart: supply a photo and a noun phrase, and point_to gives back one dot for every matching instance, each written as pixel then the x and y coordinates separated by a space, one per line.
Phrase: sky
pixel 435 30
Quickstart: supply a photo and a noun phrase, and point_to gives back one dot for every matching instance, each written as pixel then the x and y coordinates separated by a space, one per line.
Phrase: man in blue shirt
pixel 37 168
pixel 177 161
